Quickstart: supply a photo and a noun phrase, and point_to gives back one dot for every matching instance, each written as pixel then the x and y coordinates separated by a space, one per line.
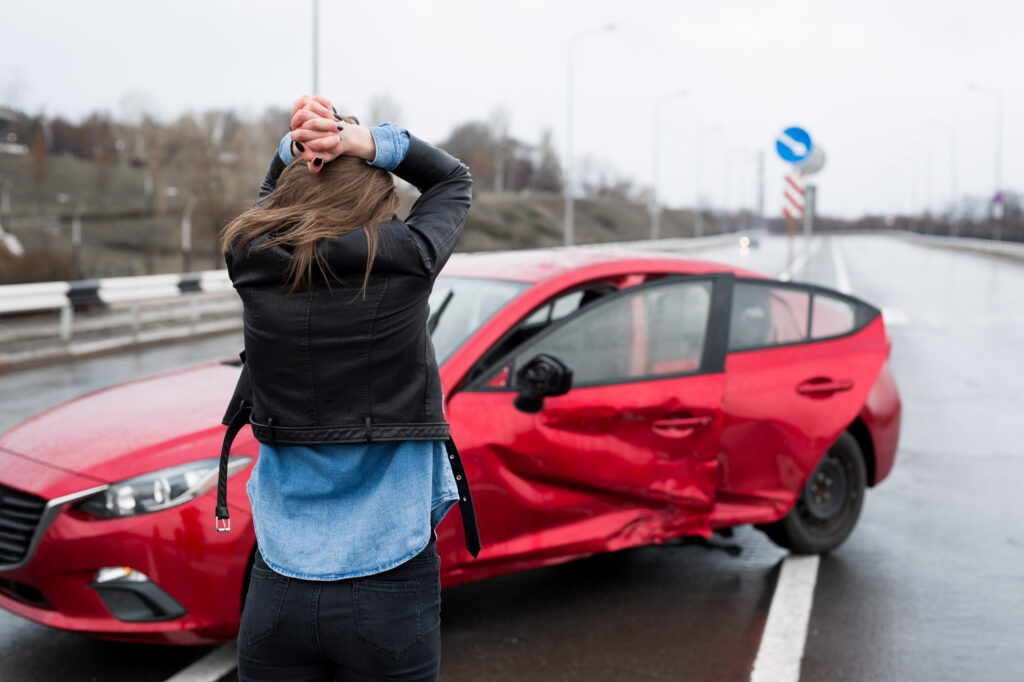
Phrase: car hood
pixel 131 428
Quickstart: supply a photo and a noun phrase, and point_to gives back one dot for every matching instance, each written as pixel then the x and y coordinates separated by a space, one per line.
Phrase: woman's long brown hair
pixel 346 195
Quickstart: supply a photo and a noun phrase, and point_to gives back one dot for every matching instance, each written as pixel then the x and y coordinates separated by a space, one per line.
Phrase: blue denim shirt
pixel 328 512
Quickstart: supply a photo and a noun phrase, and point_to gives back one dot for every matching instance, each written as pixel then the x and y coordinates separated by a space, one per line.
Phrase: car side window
pixel 656 331
pixel 764 315
pixel 549 312
pixel 832 316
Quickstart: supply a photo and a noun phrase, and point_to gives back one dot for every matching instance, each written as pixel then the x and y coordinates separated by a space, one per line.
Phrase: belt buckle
pixel 223 525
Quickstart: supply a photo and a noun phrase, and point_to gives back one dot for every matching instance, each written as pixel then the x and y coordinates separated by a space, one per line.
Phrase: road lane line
pixel 800 260
pixel 210 667
pixel 842 277
pixel 785 632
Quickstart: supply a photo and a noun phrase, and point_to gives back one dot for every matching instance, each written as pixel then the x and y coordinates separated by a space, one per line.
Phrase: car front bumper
pixel 196 574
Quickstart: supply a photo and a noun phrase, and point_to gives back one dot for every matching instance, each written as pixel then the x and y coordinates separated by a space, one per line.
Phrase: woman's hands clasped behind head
pixel 320 136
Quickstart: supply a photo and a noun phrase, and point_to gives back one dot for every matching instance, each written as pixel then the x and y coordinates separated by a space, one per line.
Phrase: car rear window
pixel 763 315
pixel 832 316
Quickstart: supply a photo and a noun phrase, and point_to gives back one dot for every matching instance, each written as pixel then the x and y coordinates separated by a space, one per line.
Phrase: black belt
pixel 469 527
pixel 241 418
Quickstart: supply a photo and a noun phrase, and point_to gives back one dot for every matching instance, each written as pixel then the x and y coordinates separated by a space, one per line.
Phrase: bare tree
pixel 548 175
pixel 473 142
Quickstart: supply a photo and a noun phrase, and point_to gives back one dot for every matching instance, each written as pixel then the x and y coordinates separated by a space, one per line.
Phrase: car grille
pixel 19 516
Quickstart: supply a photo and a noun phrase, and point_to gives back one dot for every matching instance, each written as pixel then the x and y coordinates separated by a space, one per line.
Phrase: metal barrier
pixel 65 296
pixel 988 246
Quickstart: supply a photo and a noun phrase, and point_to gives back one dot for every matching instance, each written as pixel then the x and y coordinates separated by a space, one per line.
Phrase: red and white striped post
pixel 792 208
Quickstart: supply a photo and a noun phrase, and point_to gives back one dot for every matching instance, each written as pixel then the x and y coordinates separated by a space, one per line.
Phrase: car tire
pixel 828 507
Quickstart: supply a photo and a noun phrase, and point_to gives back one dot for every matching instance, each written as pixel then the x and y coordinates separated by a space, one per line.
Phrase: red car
pixel 600 400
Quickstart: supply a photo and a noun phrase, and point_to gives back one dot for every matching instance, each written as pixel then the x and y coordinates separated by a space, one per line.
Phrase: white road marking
pixel 800 260
pixel 842 277
pixel 210 667
pixel 894 317
pixel 798 147
pixel 785 632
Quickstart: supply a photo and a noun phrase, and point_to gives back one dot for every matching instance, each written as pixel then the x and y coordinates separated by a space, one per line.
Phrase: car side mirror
pixel 544 375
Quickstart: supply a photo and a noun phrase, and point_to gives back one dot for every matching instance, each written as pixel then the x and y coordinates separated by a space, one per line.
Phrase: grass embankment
pixel 123 233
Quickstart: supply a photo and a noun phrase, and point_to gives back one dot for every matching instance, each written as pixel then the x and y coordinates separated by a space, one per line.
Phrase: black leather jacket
pixel 326 366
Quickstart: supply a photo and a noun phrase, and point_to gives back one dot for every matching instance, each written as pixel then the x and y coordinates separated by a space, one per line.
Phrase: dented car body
pixel 702 396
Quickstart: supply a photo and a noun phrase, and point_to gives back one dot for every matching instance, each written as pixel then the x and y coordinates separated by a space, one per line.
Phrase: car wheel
pixel 829 505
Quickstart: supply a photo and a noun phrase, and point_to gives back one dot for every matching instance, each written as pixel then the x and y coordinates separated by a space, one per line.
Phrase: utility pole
pixel 5 197
pixel 76 238
pixel 760 190
pixel 997 198
pixel 656 160
pixel 186 235
pixel 698 219
pixel 316 47
pixel 568 189
pixel 952 173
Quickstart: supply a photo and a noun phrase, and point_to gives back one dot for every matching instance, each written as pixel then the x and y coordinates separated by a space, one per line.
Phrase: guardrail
pixel 988 246
pixel 66 296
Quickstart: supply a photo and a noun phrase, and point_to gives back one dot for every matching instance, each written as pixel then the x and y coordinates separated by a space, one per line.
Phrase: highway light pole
pixel 997 206
pixel 656 168
pixel 316 47
pixel 925 151
pixel 186 234
pixel 567 185
pixel 952 159
pixel 698 215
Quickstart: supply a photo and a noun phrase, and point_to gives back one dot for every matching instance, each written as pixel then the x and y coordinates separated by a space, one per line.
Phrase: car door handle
pixel 681 422
pixel 822 385
pixel 679 427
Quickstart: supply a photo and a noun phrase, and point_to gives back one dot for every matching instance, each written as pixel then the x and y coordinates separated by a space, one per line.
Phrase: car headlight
pixel 159 490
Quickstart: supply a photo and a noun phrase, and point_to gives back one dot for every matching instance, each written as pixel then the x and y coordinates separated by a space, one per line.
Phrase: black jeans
pixel 382 627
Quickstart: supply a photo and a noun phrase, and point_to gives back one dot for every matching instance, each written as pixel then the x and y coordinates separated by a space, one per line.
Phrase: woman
pixel 341 388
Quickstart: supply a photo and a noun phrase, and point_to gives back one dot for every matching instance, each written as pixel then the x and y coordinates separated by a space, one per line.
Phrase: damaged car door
pixel 627 455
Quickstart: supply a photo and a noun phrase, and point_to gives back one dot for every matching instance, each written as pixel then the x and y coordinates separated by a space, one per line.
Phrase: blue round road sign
pixel 793 144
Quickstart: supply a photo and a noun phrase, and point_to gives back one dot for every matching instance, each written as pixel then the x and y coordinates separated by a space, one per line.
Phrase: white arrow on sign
pixel 799 148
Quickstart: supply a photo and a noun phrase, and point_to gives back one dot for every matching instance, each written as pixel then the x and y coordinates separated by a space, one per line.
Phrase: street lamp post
pixel 952 171
pixel 316 47
pixel 923 151
pixel 567 189
pixel 76 237
pixel 998 156
pixel 656 168
pixel 186 234
pixel 728 204
pixel 698 215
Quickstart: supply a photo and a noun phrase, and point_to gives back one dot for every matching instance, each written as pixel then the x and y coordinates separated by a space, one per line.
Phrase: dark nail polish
pixel 317 162
pixel 341 127
pixel 298 145
pixel 337 116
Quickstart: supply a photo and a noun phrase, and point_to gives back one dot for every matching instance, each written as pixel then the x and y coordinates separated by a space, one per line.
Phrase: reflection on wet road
pixel 929 586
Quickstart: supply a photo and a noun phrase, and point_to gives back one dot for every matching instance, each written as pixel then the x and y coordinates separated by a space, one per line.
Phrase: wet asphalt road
pixel 930 586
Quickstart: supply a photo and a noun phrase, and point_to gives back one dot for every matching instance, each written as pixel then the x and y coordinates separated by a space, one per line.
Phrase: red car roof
pixel 538 265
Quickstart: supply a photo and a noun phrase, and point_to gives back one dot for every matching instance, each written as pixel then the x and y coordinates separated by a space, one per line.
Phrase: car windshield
pixel 460 305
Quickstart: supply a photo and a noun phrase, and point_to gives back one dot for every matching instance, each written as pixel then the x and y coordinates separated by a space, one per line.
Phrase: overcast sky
pixel 880 85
